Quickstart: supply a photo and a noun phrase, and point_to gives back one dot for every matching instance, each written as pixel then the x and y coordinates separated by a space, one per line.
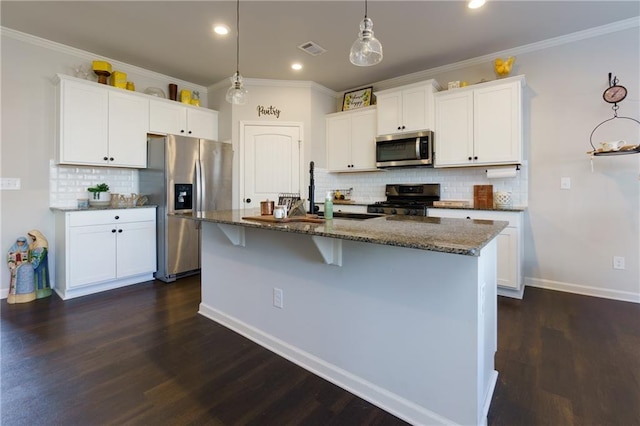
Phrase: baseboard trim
pixel 380 397
pixel 66 294
pixel 4 293
pixel 625 296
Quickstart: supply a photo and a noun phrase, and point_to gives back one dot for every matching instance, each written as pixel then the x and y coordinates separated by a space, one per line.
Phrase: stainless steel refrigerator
pixel 184 175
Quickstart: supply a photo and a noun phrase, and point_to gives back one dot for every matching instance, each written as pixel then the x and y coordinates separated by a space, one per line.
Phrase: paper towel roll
pixel 501 173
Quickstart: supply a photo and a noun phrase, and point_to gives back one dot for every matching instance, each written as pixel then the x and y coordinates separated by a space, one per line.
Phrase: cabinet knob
pixel 399 128
pixel 470 158
pixel 119 231
pixel 105 158
pixel 475 158
pixel 113 230
pixel 117 217
pixel 189 132
pixel 110 158
pixel 403 127
pixel 468 217
pixel 181 131
pixel 248 200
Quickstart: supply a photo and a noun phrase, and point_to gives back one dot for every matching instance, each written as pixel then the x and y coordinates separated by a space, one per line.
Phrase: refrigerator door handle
pixel 203 187
pixel 198 183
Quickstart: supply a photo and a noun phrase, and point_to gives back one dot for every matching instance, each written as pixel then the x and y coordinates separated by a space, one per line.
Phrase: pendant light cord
pixel 238 37
pixel 365 9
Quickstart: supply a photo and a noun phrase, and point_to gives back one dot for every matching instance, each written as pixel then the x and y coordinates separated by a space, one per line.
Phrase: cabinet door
pixel 454 129
pixel 128 128
pixel 83 137
pixel 497 124
pixel 389 113
pixel 363 140
pixel 508 258
pixel 339 143
pixel 136 248
pixel 414 109
pixel 91 254
pixel 202 123
pixel 167 117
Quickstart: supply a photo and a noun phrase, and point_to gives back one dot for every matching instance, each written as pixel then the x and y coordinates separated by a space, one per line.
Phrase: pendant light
pixel 237 94
pixel 366 50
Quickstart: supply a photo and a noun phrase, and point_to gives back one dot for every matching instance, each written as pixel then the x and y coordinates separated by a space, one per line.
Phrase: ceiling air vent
pixel 312 48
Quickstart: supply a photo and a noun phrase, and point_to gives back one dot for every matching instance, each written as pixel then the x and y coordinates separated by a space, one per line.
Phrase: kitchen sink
pixel 352 216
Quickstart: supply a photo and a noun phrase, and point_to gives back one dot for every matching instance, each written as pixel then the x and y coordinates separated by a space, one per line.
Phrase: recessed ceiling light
pixel 296 66
pixel 474 4
pixel 221 29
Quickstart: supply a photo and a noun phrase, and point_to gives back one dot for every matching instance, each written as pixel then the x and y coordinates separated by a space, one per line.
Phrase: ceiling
pixel 175 38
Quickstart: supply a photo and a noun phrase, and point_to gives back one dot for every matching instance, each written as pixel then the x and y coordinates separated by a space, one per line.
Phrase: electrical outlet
pixel 618 262
pixel 278 298
pixel 565 182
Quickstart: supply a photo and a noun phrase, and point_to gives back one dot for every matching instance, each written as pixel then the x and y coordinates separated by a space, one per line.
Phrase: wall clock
pixel 614 93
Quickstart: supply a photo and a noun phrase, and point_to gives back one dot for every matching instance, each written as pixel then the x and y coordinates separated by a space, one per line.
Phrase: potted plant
pixel 100 194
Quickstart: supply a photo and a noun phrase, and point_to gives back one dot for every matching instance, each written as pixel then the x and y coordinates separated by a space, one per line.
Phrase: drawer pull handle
pixel 117 217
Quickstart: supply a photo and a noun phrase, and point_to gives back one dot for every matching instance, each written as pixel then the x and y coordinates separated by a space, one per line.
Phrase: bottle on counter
pixel 328 205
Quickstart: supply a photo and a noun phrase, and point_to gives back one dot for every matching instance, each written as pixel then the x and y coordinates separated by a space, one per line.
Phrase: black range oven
pixel 407 199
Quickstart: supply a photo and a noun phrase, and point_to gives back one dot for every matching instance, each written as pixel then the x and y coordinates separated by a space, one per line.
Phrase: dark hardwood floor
pixel 142 355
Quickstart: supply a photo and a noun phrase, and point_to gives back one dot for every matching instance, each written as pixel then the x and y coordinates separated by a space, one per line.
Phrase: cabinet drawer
pixel 99 217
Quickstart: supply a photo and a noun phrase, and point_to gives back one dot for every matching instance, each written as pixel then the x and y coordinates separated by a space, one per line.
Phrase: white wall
pixel 29 65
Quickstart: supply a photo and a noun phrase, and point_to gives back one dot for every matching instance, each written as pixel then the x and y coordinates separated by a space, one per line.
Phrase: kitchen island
pixel 399 311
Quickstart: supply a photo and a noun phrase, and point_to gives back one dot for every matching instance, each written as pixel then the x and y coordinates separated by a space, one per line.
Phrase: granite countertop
pixel 457 236
pixel 76 209
pixel 493 209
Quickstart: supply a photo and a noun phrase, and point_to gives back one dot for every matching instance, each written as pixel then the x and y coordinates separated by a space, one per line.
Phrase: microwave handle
pixel 418 148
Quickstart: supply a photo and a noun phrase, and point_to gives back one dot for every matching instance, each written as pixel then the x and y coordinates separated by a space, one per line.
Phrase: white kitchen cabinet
pixel 479 124
pixel 407 108
pixel 100 125
pixel 100 250
pixel 176 118
pixel 510 245
pixel 351 137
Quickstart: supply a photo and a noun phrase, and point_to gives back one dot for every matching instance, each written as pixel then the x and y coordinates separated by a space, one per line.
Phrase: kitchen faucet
pixel 312 190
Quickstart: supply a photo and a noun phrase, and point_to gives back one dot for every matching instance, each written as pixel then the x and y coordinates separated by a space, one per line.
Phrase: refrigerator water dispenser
pixel 184 196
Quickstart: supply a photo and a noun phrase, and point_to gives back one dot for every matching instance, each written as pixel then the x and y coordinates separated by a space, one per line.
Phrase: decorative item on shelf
pixel 155 91
pixel 366 50
pixel 131 86
pixel 100 195
pixel 614 94
pixel 102 69
pixel 357 99
pixel 483 196
pixel 195 98
pixel 173 91
pixel 237 93
pixel 82 71
pixel 502 199
pixel 185 96
pixel 453 85
pixel 503 67
pixel 342 194
pixel 119 79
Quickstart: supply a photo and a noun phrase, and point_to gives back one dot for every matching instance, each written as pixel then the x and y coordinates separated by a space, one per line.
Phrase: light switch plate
pixel 9 184
pixel 565 182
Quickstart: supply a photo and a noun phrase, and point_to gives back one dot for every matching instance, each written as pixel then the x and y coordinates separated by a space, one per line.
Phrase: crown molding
pixel 82 54
pixel 527 48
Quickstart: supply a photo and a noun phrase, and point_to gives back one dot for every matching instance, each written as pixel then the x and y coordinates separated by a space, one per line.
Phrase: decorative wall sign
pixel 357 99
pixel 270 110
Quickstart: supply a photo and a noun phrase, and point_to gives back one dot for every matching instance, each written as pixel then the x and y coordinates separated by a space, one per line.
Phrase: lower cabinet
pixel 510 245
pixel 104 249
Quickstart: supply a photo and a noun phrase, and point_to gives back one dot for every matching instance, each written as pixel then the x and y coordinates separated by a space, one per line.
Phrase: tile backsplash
pixel 68 183
pixel 455 183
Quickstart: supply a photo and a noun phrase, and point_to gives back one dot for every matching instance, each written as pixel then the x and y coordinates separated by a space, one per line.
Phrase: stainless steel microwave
pixel 405 150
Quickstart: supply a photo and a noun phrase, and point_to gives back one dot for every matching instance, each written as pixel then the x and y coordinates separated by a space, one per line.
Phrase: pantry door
pixel 270 162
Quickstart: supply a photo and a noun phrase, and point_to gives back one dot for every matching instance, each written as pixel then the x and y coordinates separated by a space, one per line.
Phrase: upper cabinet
pixel 407 108
pixel 100 125
pixel 351 140
pixel 479 124
pixel 171 117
